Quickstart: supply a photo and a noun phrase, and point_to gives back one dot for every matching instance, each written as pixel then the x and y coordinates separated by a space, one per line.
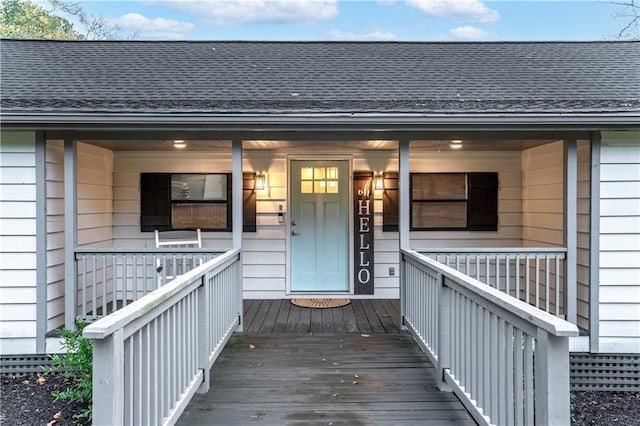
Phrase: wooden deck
pixel 344 366
pixel 360 316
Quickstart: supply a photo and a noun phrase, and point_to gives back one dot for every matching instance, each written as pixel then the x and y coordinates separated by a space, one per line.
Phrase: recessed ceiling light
pixel 455 144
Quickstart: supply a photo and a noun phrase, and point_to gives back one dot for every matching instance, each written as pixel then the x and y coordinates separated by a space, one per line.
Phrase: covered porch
pixel 528 259
pixel 538 249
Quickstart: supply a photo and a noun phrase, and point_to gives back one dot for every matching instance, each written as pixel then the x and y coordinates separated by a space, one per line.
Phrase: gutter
pixel 315 121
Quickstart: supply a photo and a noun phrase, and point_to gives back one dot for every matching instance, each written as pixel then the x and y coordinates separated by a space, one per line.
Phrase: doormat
pixel 320 303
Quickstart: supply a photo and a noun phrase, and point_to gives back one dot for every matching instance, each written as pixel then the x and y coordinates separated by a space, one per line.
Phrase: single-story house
pixel 339 154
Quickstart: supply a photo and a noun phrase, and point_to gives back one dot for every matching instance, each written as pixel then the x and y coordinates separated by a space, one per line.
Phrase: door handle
pixel 294 223
pixel 294 233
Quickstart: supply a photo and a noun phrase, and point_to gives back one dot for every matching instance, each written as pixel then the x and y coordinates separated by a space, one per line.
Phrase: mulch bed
pixel 27 401
pixel 606 408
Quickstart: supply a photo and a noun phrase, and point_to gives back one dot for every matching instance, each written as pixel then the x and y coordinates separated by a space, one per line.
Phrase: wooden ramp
pixel 313 378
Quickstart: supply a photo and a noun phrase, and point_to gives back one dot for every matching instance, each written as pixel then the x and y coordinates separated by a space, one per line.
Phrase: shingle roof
pixel 319 77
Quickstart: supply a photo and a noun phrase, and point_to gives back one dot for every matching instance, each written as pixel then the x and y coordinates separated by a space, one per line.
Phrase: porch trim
pixel 71 231
pixel 41 242
pixel 418 121
pixel 594 246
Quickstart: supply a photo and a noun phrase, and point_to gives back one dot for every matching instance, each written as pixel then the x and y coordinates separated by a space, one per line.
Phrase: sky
pixel 369 20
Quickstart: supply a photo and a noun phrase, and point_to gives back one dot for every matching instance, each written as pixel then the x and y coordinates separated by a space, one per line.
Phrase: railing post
pixel 204 330
pixel 237 273
pixel 108 380
pixel 444 333
pixel 552 379
pixel 403 290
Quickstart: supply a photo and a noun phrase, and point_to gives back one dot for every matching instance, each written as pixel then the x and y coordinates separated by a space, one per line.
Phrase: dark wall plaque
pixel 363 232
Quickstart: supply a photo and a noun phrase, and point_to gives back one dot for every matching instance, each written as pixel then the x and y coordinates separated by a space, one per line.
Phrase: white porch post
pixel 594 247
pixel 70 232
pixel 403 219
pixel 236 190
pixel 570 228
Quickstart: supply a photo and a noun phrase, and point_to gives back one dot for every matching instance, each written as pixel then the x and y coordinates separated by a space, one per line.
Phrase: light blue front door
pixel 319 226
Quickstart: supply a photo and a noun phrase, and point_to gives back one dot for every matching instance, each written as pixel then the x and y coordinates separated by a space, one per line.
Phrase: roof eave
pixel 311 121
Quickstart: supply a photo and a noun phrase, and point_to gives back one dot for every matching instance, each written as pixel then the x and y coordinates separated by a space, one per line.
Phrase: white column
pixel 570 228
pixel 404 198
pixel 70 232
pixel 236 190
pixel 594 248
pixel 403 219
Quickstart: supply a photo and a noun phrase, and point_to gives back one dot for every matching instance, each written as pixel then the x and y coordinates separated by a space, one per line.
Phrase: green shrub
pixel 76 364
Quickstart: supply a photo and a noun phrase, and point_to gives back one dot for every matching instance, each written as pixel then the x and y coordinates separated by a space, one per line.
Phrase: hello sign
pixel 363 232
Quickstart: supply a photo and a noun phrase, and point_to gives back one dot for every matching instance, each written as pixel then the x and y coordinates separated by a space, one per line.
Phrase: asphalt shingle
pixel 317 77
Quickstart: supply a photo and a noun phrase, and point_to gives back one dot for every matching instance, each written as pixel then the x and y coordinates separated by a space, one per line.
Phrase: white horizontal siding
pixel 55 234
pixel 542 195
pixel 18 278
pixel 619 292
pixel 95 196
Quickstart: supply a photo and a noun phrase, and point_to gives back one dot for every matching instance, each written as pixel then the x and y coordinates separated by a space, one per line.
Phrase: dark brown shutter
pixel 155 202
pixel 390 207
pixel 482 208
pixel 249 202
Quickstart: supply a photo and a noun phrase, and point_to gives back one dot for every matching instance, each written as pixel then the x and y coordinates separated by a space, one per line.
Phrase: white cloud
pixel 157 28
pixel 228 12
pixel 469 33
pixel 463 10
pixel 386 2
pixel 371 35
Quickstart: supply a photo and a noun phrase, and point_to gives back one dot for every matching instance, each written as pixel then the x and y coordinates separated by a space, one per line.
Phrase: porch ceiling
pixel 417 145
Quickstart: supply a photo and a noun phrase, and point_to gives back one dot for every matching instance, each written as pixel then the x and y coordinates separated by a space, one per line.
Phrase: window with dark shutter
pixel 171 201
pixel 454 201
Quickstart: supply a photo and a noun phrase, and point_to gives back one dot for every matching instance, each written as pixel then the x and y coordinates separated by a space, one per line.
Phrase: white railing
pixel 108 279
pixel 533 275
pixel 152 356
pixel 507 361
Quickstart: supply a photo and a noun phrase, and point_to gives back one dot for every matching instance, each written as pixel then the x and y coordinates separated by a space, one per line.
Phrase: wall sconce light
pixel 378 181
pixel 179 144
pixel 261 181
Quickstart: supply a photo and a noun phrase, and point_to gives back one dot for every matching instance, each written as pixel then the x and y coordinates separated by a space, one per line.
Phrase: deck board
pixel 344 366
pixel 321 379
pixel 360 316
